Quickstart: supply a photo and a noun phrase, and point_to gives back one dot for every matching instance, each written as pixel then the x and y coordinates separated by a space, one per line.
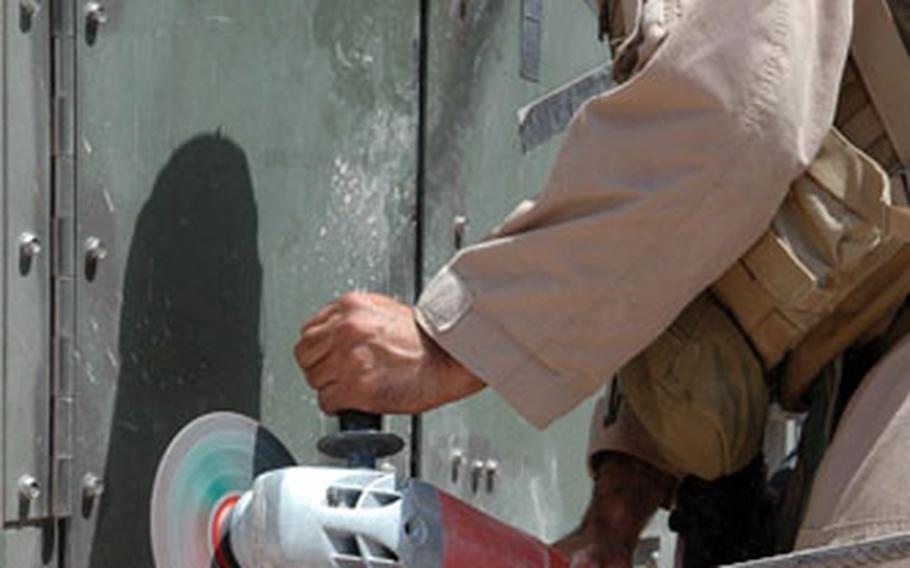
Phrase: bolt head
pixel 95 249
pixel 92 486
pixel 30 7
pixel 96 13
pixel 29 488
pixel 29 245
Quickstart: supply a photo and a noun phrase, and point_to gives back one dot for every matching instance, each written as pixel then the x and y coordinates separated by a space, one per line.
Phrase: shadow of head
pixel 189 327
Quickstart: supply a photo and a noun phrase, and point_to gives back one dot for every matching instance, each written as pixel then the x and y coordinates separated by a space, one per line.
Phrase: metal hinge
pixel 63 273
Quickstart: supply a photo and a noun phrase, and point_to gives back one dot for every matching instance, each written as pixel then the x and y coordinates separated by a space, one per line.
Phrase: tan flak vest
pixel 834 266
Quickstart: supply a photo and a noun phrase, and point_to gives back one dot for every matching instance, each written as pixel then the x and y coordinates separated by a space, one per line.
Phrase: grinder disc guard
pixel 212 460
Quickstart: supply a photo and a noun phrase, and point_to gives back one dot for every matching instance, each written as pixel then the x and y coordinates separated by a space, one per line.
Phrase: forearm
pixel 626 494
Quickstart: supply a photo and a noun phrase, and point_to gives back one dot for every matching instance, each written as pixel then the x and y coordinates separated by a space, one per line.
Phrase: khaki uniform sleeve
pixel 659 186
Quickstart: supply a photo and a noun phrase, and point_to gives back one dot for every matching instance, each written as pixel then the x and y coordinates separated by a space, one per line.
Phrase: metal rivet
pixel 95 249
pixel 457 463
pixel 95 252
pixel 460 229
pixel 29 245
pixel 30 7
pixel 29 488
pixel 92 486
pixel 95 14
pixel 491 468
pixel 477 468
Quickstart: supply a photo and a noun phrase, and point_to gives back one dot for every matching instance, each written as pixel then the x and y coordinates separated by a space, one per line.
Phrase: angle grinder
pixel 229 495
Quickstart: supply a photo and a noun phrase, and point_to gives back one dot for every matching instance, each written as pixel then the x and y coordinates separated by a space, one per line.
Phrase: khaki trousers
pixel 693 403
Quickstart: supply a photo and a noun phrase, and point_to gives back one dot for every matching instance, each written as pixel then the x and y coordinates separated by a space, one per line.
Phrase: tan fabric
pixel 829 268
pixel 833 232
pixel 615 428
pixel 699 392
pixel 834 263
pixel 824 276
pixel 858 317
pixel 884 64
pixel 861 489
pixel 659 187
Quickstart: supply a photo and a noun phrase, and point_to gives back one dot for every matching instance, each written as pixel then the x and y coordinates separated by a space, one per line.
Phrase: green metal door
pixel 27 537
pixel 239 164
pixel 504 78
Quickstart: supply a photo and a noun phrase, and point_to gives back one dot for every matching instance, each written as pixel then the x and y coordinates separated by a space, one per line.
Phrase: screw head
pixel 29 488
pixel 460 230
pixel 92 486
pixel 96 13
pixel 477 468
pixel 29 245
pixel 491 468
pixel 457 462
pixel 95 249
pixel 30 7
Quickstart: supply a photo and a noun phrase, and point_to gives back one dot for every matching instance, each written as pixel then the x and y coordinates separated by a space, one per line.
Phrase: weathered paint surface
pixel 476 168
pixel 243 162
pixel 24 356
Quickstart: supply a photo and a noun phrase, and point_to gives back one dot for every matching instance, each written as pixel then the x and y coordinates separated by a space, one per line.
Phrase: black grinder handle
pixel 360 440
pixel 356 420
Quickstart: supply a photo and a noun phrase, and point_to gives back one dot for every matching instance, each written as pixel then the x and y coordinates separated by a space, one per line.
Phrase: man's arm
pixel 659 186
pixel 365 352
pixel 627 492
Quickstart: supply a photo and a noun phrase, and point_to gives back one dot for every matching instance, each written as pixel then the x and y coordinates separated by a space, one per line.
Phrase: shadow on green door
pixel 189 328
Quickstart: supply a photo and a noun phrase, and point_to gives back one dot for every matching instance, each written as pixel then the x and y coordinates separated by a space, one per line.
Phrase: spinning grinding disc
pixel 207 466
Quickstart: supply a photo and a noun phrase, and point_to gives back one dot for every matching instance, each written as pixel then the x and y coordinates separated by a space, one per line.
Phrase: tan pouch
pixel 837 227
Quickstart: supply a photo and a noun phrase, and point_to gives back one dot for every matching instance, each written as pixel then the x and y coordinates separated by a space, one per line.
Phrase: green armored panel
pixel 25 286
pixel 24 233
pixel 504 79
pixel 239 164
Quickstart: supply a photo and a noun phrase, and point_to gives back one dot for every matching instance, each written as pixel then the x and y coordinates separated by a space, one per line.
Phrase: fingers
pixel 316 342
pixel 330 399
pixel 322 315
pixel 364 352
pixel 336 397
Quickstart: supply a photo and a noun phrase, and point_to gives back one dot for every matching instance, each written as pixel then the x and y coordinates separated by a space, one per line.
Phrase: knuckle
pixel 348 326
pixel 350 300
pixel 352 329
